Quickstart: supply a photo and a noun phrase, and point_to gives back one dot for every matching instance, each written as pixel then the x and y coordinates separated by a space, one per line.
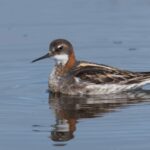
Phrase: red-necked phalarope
pixel 73 77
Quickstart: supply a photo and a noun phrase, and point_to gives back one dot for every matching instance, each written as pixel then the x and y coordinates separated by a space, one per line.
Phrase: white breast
pixel 53 81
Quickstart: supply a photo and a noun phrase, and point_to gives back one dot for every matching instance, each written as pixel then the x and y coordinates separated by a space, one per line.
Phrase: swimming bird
pixel 73 77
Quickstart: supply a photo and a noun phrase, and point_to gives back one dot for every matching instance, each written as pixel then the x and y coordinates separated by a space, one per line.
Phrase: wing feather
pixel 100 74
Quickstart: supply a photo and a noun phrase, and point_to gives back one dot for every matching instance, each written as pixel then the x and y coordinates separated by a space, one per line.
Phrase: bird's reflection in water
pixel 69 109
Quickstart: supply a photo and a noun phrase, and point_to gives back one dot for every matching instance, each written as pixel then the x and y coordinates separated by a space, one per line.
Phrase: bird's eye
pixel 60 47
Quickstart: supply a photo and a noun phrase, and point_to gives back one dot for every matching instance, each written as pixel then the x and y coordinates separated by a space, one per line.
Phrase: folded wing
pixel 100 74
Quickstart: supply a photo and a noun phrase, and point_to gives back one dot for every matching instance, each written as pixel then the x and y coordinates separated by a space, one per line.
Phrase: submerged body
pixel 73 77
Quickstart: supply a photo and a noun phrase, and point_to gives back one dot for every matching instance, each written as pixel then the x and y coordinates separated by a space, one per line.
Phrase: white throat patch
pixel 61 59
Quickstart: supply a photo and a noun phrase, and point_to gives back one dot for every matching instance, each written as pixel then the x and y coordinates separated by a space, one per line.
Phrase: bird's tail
pixel 144 78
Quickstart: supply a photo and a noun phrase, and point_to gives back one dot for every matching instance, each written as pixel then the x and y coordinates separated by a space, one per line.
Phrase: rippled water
pixel 112 32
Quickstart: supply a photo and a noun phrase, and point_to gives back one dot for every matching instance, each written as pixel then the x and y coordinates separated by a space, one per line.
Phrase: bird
pixel 73 77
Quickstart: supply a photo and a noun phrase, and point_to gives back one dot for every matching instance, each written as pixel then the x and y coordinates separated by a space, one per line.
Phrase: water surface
pixel 112 32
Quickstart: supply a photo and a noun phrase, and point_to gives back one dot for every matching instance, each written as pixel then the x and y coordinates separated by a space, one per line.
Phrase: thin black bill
pixel 40 58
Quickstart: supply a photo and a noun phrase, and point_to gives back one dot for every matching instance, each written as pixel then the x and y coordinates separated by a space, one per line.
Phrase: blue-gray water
pixel 112 32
